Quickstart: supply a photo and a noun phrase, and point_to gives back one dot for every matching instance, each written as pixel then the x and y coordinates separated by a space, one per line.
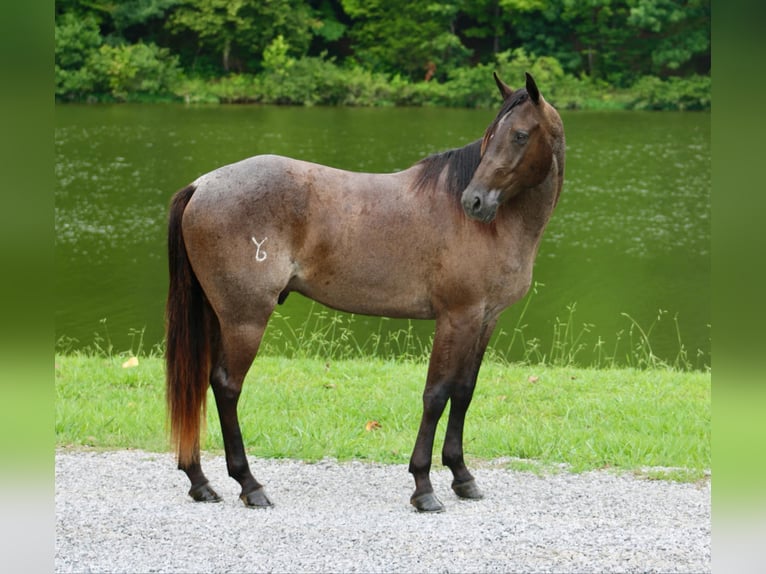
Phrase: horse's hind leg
pixel 238 347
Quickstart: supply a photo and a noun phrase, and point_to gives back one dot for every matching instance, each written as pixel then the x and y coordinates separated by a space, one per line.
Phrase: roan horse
pixel 452 238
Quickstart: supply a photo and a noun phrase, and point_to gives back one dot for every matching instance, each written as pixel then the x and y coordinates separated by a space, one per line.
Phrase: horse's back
pixel 266 182
pixel 252 178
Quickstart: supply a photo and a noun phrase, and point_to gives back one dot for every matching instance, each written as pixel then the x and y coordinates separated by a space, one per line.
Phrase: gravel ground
pixel 127 511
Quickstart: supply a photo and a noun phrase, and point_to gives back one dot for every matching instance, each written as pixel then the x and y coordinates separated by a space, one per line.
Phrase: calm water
pixel 631 234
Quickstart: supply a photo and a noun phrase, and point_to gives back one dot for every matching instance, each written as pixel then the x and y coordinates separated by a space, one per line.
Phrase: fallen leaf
pixel 533 379
pixel 371 426
pixel 130 363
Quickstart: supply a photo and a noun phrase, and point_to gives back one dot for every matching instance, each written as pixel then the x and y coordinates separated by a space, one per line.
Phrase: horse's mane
pixel 461 163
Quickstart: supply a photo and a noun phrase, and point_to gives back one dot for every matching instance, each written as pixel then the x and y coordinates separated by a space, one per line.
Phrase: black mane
pixel 461 163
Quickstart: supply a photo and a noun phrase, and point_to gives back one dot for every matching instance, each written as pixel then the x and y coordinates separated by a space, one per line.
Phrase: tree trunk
pixel 226 53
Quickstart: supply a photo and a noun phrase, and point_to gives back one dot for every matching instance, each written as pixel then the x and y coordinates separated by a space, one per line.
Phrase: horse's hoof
pixel 256 499
pixel 467 489
pixel 204 493
pixel 427 502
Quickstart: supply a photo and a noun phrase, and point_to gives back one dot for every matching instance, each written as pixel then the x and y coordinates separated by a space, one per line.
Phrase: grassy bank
pixel 317 82
pixel 369 409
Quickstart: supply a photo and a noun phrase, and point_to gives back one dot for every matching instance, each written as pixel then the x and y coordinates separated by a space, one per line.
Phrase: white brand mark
pixel 259 255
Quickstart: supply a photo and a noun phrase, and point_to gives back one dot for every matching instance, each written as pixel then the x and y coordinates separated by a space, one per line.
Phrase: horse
pixel 452 238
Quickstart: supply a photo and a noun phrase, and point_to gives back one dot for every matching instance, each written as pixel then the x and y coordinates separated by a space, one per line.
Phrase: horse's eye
pixel 520 137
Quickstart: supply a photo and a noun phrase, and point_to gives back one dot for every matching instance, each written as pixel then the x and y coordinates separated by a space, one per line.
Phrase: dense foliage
pixel 649 54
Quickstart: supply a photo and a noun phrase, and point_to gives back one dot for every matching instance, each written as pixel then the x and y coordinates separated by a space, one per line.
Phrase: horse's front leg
pixel 434 400
pixel 463 482
pixel 451 367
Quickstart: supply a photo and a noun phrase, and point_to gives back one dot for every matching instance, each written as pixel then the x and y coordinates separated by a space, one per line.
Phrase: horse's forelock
pixel 516 99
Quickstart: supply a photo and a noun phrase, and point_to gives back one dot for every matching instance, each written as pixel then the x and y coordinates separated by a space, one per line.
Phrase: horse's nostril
pixel 476 204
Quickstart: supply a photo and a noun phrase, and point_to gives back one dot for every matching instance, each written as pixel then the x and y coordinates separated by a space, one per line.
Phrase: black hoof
pixel 427 502
pixel 204 493
pixel 467 489
pixel 256 499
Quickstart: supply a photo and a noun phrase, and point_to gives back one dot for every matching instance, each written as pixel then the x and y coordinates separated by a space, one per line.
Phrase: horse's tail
pixel 187 355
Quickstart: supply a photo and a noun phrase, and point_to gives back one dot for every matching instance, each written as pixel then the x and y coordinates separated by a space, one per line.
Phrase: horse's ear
pixel 532 90
pixel 504 88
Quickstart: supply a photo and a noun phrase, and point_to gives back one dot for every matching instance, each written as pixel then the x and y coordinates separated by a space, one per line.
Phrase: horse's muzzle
pixel 481 205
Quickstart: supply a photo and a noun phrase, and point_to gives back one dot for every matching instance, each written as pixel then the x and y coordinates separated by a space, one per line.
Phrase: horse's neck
pixel 525 216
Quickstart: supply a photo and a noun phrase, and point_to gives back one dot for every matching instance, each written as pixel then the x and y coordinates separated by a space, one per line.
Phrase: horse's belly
pixel 365 296
pixel 394 310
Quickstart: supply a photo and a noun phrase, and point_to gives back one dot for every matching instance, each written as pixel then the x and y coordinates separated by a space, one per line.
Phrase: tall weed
pixel 331 335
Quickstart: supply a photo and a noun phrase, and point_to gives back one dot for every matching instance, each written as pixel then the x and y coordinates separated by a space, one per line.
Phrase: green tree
pixel 86 66
pixel 674 33
pixel 400 36
pixel 133 69
pixel 329 27
pixel 361 51
pixel 76 39
pixel 117 16
pixel 126 14
pixel 494 26
pixel 615 40
pixel 244 28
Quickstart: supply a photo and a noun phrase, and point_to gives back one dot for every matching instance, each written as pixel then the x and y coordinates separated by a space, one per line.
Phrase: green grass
pixel 653 422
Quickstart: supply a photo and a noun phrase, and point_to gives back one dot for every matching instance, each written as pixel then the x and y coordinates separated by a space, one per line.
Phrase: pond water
pixel 625 259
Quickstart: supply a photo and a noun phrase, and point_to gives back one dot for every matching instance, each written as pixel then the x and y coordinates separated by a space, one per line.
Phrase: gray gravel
pixel 127 511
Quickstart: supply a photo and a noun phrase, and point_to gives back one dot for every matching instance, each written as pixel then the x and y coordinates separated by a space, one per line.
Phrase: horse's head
pixel 517 152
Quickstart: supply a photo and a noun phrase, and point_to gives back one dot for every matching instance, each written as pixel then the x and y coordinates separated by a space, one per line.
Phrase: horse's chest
pixel 508 282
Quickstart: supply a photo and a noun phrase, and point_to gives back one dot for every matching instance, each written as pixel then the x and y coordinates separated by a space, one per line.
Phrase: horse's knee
pixel 435 399
pixel 462 393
